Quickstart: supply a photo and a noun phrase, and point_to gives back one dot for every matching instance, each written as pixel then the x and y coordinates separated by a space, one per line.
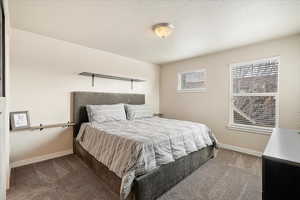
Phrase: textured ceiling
pixel 124 26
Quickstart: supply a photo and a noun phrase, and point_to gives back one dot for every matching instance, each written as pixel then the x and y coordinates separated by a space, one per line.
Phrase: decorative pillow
pixel 138 111
pixel 105 113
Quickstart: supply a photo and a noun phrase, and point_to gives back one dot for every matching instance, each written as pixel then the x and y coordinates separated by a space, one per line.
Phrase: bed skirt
pixel 153 184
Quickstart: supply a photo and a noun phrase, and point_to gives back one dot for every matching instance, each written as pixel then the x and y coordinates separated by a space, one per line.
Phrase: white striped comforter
pixel 131 148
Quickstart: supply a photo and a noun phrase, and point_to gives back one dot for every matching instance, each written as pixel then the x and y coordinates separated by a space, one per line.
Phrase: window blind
pixel 254 93
pixel 192 80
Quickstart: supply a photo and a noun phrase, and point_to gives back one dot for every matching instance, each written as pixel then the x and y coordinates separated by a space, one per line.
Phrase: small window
pixel 254 95
pixel 194 81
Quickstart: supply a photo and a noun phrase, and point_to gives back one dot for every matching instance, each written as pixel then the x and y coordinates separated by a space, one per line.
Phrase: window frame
pixel 179 77
pixel 252 128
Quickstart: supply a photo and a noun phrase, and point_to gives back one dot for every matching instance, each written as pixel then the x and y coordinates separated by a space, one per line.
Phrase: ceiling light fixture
pixel 163 30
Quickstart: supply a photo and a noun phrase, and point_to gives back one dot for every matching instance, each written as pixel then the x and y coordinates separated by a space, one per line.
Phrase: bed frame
pixel 146 187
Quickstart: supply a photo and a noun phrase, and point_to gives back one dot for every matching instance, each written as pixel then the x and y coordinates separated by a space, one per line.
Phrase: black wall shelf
pixel 93 75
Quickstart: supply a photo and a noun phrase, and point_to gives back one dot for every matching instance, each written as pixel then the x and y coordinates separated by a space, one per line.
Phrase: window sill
pixel 257 130
pixel 192 90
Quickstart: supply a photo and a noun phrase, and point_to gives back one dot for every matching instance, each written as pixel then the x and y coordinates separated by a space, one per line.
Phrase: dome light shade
pixel 163 30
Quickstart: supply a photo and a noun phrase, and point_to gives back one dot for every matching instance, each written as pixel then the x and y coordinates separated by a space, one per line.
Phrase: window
pixel 192 81
pixel 254 95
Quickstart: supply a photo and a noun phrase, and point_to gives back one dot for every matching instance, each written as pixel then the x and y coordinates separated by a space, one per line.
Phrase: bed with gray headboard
pixel 150 185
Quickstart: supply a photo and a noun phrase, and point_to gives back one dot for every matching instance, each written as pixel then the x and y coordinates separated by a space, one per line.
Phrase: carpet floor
pixel 230 176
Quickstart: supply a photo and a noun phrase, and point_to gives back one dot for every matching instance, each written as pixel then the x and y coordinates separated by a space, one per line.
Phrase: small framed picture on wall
pixel 19 120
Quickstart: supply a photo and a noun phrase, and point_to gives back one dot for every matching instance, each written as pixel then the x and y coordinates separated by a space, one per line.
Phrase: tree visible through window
pixel 254 93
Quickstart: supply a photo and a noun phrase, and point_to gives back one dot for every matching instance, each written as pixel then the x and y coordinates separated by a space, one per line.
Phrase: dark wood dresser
pixel 281 166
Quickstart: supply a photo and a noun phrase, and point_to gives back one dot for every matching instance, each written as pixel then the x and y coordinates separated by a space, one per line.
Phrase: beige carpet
pixel 230 176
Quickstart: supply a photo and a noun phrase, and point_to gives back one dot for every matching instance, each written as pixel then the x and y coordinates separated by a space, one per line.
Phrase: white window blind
pixel 254 94
pixel 192 81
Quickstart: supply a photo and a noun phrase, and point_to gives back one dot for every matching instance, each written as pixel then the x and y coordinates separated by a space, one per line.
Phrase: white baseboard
pixel 240 149
pixel 8 179
pixel 40 158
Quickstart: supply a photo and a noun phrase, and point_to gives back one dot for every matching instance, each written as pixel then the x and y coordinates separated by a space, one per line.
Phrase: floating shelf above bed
pixel 93 75
pixel 41 126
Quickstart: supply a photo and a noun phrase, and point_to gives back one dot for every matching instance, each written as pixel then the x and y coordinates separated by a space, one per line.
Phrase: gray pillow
pixel 104 113
pixel 138 111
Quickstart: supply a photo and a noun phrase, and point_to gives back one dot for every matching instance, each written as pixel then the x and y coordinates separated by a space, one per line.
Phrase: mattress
pixel 132 148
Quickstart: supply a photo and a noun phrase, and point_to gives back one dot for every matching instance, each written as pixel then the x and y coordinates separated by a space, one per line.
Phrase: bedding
pixel 132 148
pixel 138 111
pixel 105 113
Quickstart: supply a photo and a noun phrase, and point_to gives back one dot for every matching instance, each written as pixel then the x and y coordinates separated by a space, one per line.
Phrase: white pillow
pixel 138 111
pixel 104 113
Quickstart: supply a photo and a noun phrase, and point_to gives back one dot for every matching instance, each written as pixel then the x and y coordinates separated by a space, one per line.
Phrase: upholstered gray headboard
pixel 81 99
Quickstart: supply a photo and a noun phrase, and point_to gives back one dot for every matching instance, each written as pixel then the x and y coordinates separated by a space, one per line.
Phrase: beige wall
pixel 212 107
pixel 44 72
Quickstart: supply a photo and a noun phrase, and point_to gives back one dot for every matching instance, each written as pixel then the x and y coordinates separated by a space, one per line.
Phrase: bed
pixel 154 179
